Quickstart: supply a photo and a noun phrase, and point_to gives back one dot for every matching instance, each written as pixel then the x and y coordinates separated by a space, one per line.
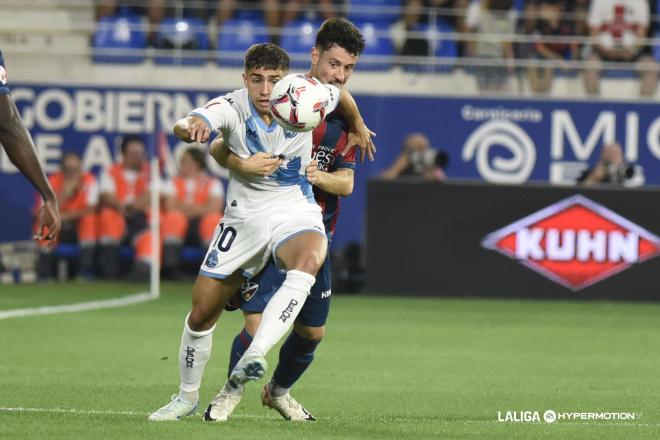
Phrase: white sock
pixel 194 353
pixel 281 311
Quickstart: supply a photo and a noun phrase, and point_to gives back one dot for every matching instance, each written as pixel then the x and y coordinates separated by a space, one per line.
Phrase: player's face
pixel 134 156
pixel 259 83
pixel 332 66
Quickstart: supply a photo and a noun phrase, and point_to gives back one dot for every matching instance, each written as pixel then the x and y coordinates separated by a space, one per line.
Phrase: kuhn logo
pixel 575 242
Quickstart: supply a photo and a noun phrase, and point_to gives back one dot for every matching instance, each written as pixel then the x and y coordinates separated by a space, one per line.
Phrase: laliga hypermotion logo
pixel 575 242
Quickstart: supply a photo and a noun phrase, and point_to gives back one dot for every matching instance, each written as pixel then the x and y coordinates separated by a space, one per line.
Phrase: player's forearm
pixel 337 183
pixel 349 109
pixel 20 149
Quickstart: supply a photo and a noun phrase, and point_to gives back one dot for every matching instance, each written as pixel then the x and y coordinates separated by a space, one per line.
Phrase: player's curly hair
pixel 341 32
pixel 266 56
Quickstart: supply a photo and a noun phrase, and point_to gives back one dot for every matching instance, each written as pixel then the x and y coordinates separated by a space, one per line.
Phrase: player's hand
pixel 49 222
pixel 312 172
pixel 261 164
pixel 197 129
pixel 361 138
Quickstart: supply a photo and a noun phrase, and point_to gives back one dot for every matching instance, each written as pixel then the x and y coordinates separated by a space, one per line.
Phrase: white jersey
pixel 245 133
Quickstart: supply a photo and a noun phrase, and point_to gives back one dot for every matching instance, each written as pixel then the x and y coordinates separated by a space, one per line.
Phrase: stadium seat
pixel 120 39
pixel 297 39
pixel 235 36
pixel 440 46
pixel 381 11
pixel 379 50
pixel 182 34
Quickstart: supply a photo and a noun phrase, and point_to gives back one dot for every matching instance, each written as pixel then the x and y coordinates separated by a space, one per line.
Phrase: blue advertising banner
pixel 494 140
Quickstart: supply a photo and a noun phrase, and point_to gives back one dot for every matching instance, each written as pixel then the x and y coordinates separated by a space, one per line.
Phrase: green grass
pixel 389 368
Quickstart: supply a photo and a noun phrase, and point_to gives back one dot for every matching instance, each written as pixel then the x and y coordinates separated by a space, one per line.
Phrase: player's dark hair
pixel 196 155
pixel 341 32
pixel 128 140
pixel 266 56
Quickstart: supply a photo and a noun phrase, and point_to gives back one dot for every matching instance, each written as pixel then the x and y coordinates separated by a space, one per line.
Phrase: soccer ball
pixel 298 102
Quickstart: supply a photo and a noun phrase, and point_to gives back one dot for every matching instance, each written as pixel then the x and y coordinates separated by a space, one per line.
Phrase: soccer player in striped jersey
pixel 334 57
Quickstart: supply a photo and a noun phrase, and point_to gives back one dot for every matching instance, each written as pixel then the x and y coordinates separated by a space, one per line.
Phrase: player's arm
pixel 259 164
pixel 20 149
pixel 359 133
pixel 202 121
pixel 338 182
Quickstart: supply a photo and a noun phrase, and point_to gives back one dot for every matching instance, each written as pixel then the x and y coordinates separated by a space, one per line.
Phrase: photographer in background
pixel 418 159
pixel 612 168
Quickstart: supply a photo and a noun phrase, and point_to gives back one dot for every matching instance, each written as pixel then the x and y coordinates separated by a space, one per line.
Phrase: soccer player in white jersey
pixel 272 215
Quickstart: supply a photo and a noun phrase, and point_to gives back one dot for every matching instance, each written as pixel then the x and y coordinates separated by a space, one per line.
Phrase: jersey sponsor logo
pixel 248 289
pixel 325 157
pixel 289 134
pixel 3 75
pixel 326 293
pixel 575 242
pixel 286 313
pixel 251 133
pixel 212 259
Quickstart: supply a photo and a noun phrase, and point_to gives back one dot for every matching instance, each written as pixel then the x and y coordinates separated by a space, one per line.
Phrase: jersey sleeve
pixel 4 86
pixel 218 114
pixel 346 161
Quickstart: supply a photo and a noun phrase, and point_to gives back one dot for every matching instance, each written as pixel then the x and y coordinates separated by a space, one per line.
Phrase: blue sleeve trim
pixel 208 123
pixel 212 275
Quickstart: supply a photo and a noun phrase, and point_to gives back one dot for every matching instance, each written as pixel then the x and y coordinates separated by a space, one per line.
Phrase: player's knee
pixel 309 262
pixel 200 320
pixel 310 333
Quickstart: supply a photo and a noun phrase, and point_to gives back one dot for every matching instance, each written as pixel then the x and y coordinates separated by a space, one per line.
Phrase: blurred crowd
pixel 105 222
pixel 487 36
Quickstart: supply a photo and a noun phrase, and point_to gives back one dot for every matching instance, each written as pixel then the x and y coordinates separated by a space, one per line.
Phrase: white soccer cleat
pixel 286 405
pixel 248 368
pixel 175 410
pixel 223 404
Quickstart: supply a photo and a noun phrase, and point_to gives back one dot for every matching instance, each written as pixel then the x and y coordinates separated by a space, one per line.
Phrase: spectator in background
pixel 198 199
pixel 124 204
pixel 550 23
pixel 418 159
pixel 269 8
pixel 418 12
pixel 77 193
pixel 617 28
pixel 153 9
pixel 319 10
pixel 495 22
pixel 612 168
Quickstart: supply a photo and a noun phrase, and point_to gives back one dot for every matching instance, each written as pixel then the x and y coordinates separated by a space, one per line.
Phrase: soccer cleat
pixel 175 410
pixel 286 405
pixel 222 405
pixel 248 368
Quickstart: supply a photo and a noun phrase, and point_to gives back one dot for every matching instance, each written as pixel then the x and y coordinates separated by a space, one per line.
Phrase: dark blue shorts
pixel 256 293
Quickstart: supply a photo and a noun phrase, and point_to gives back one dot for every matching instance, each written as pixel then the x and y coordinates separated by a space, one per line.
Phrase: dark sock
pixel 296 354
pixel 241 342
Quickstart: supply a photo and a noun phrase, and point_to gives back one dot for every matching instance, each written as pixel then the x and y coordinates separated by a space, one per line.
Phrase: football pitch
pixel 389 368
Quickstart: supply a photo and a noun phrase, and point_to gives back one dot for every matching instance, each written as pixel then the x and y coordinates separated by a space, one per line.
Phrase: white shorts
pixel 246 243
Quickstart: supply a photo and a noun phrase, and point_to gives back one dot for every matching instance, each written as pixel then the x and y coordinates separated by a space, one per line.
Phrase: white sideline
pixel 110 412
pixel 79 307
pixel 102 412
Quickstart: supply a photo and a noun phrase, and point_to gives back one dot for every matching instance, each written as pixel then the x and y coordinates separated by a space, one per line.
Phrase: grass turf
pixel 389 368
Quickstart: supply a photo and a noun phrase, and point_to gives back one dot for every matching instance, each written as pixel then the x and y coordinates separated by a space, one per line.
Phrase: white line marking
pixel 110 412
pixel 79 307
